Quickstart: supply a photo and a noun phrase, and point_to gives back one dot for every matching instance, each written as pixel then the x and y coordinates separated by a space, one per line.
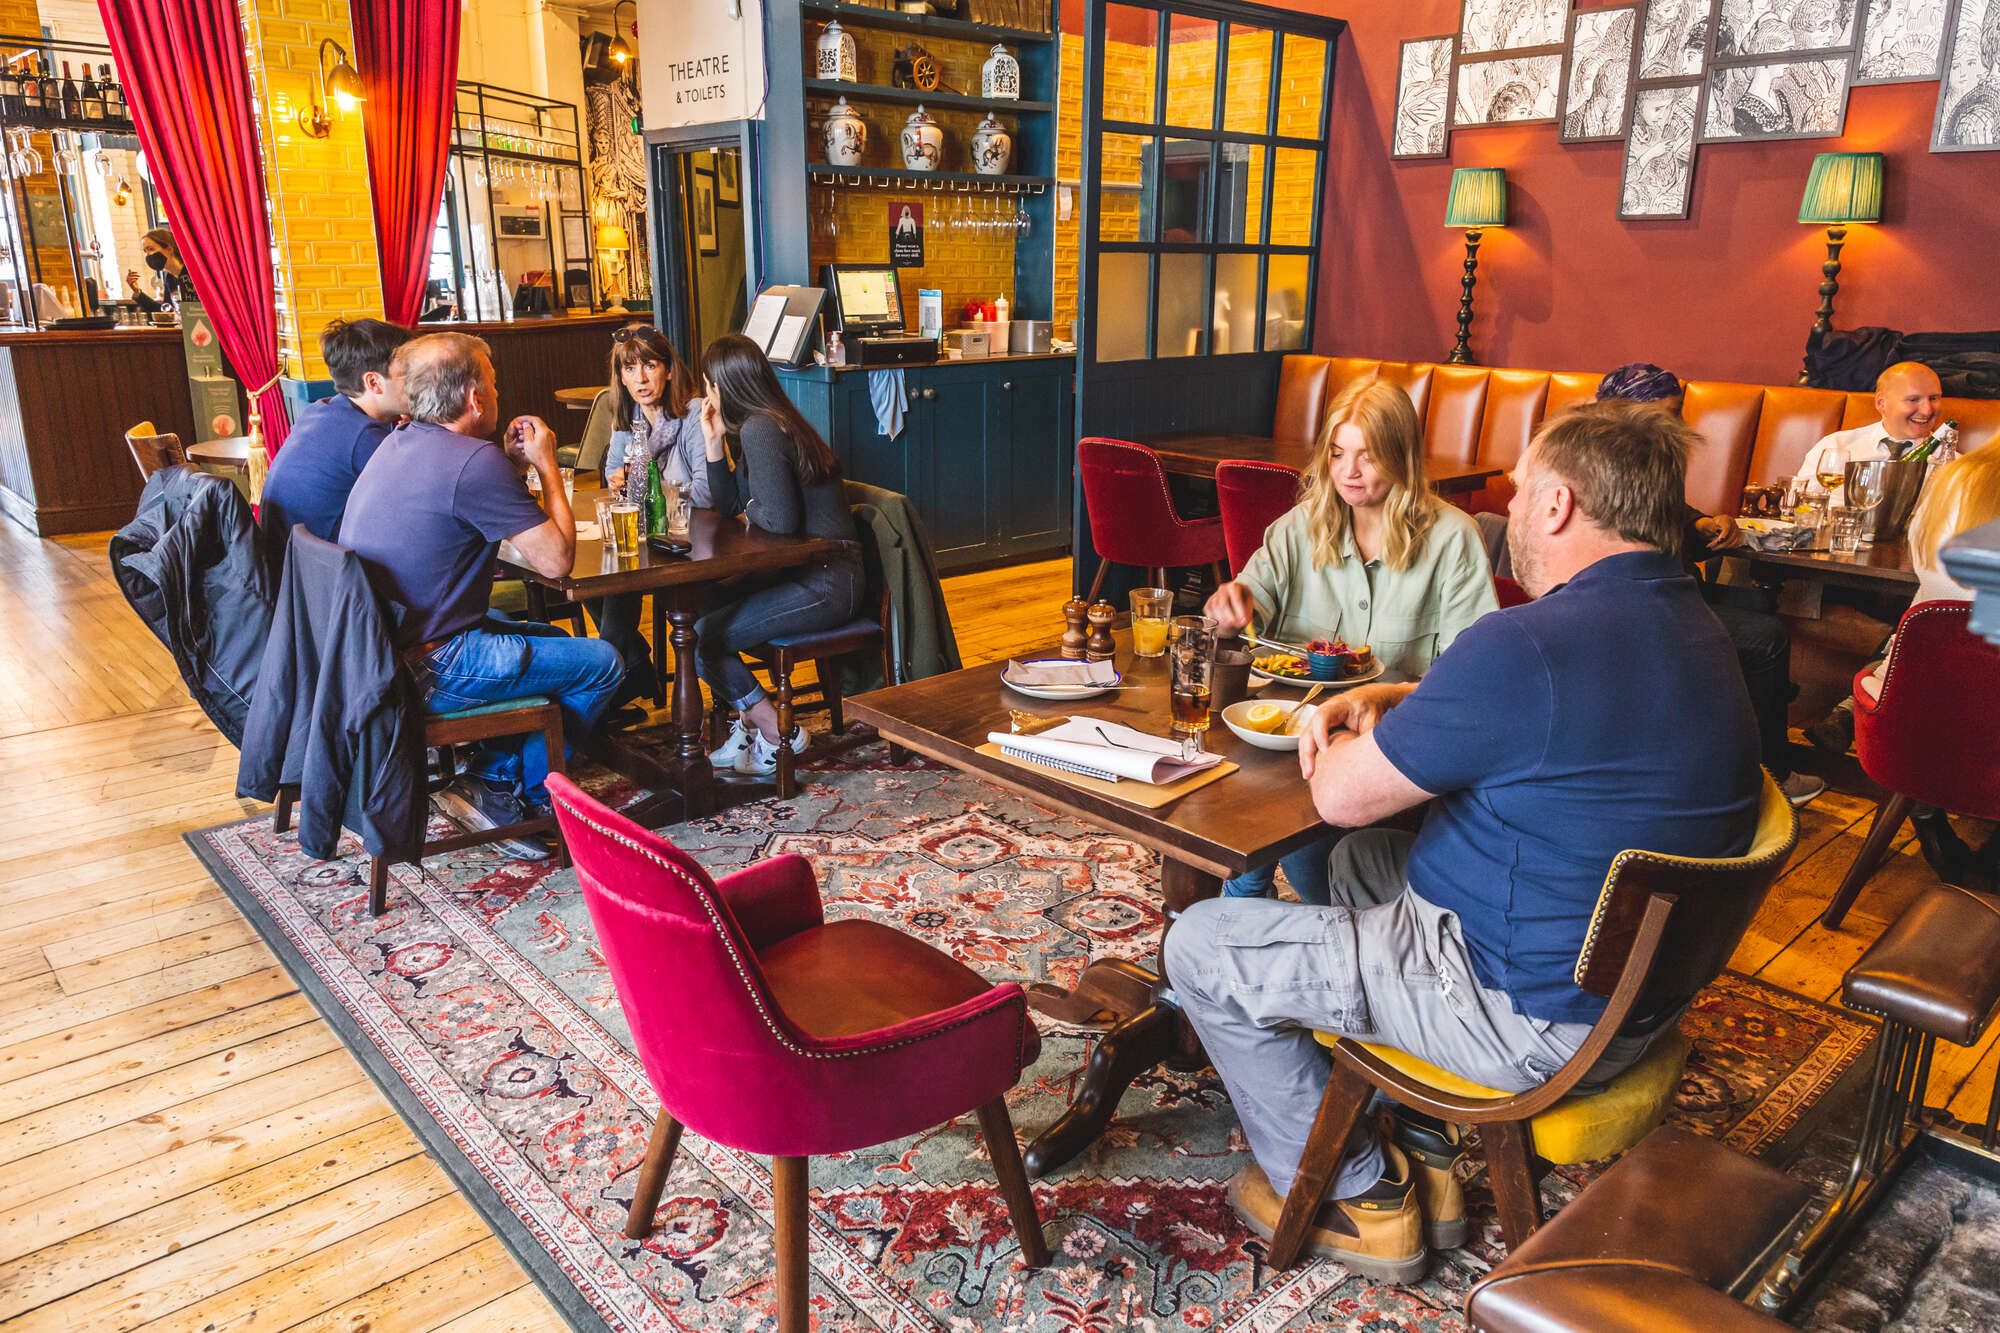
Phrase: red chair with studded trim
pixel 1252 496
pixel 1132 516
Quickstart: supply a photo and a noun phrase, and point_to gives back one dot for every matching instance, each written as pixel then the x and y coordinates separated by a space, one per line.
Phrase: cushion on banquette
pixel 1751 432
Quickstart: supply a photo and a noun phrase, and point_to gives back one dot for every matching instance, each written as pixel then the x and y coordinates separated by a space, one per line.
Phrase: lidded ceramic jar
pixel 846 135
pixel 992 146
pixel 923 142
pixel 1000 76
pixel 834 58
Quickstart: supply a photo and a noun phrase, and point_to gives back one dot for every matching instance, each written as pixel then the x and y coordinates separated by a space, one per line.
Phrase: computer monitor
pixel 867 298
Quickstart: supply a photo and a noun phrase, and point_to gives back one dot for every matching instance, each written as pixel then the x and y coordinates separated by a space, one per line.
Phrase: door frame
pixel 673 308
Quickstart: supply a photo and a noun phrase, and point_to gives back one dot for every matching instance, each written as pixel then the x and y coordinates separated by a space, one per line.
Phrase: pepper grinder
pixel 1101 646
pixel 1076 616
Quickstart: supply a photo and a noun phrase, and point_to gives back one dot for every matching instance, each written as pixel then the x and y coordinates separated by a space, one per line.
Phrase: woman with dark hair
pixel 787 481
pixel 656 402
pixel 164 258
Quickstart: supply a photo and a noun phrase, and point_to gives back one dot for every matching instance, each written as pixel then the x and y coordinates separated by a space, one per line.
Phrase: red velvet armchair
pixel 1132 516
pixel 1932 736
pixel 765 1027
pixel 1252 497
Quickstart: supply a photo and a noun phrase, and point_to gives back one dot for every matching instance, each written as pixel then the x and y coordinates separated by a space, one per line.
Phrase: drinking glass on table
pixel 1191 657
pixel 1152 609
pixel 625 527
pixel 679 509
pixel 1832 475
pixel 569 485
pixel 1843 530
pixel 604 503
pixel 1863 493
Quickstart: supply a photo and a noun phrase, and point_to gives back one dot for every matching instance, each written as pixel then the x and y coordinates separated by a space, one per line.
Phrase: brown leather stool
pixel 1933 975
pixel 1658 1242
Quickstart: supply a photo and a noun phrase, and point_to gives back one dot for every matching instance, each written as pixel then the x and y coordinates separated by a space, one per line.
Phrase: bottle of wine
pixel 656 501
pixel 51 89
pixel 72 96
pixel 1944 439
pixel 114 96
pixel 31 88
pixel 93 96
pixel 10 91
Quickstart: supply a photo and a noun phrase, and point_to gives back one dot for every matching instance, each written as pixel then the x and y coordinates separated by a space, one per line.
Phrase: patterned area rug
pixel 481 1004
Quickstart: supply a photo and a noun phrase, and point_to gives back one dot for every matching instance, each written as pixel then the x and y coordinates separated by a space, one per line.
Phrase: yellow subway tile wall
pixel 322 224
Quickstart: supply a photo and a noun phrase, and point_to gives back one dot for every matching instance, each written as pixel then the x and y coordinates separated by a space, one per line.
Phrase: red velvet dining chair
pixel 1252 497
pixel 769 1029
pixel 1932 736
pixel 1132 516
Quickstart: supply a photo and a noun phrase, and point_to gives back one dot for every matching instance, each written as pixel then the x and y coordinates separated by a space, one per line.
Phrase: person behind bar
pixel 334 438
pixel 789 483
pixel 1608 713
pixel 426 518
pixel 164 258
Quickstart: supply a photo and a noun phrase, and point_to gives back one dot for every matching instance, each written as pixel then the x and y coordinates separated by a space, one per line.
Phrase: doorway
pixel 705 259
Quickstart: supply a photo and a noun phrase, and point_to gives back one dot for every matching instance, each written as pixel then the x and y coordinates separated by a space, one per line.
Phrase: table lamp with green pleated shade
pixel 1478 200
pixel 1843 189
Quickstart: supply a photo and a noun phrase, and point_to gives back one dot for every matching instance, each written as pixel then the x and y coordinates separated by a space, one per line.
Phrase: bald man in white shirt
pixel 1911 400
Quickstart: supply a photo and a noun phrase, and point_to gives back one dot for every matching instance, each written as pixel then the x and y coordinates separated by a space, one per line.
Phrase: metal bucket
pixel 1897 483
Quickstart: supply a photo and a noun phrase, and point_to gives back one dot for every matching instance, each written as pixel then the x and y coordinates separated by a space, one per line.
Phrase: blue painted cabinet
pixel 987 450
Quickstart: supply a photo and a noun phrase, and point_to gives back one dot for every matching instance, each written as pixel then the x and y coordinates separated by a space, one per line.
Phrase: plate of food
pixel 1328 662
pixel 1060 678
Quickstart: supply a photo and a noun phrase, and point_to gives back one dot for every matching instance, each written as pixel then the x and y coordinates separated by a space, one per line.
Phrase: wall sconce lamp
pixel 340 83
pixel 1478 200
pixel 620 50
pixel 1843 189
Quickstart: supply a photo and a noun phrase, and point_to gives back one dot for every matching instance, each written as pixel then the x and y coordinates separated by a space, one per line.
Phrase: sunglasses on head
pixel 631 331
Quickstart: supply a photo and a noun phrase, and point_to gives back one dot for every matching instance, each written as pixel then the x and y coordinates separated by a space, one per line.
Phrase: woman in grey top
pixel 655 394
pixel 786 480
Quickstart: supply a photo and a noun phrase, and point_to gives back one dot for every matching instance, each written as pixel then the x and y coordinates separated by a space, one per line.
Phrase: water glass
pixel 680 508
pixel 1191 657
pixel 569 485
pixel 604 503
pixel 1843 530
pixel 1152 609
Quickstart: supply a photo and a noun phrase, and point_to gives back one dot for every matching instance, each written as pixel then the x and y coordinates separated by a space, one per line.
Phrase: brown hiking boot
pixel 1434 1155
pixel 1378 1234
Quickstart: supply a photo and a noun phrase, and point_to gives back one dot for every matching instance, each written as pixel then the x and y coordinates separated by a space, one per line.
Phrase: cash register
pixel 868 308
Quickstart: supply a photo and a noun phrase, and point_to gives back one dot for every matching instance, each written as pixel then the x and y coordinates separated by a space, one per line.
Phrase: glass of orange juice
pixel 1152 609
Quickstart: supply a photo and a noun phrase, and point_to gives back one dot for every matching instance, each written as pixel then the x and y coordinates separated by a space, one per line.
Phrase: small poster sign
pixel 906 235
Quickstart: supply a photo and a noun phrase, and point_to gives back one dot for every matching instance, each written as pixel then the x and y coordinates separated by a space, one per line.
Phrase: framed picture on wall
pixel 1747 28
pixel 1487 27
pixel 1657 179
pixel 1968 107
pixel 1901 41
pixel 1781 99
pixel 1507 90
pixel 1423 99
pixel 1673 38
pixel 728 184
pixel 701 207
pixel 1597 74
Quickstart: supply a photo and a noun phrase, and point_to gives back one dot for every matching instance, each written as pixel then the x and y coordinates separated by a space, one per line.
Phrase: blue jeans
pixel 503 659
pixel 820 600
pixel 1305 869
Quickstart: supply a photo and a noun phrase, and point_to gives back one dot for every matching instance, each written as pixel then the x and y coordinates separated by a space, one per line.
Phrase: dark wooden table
pixel 1246 819
pixel 579 400
pixel 1195 454
pixel 229 455
pixel 723 549
pixel 1884 567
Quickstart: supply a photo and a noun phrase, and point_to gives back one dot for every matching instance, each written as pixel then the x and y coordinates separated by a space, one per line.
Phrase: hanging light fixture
pixel 620 50
pixel 340 83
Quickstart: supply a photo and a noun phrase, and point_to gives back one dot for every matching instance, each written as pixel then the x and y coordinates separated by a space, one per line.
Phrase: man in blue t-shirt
pixel 1607 714
pixel 426 518
pixel 335 437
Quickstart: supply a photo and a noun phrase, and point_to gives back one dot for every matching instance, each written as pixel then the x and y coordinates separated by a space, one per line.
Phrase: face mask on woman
pixel 156 262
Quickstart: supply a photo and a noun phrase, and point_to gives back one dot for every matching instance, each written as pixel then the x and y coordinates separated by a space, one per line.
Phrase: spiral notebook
pixel 1106 751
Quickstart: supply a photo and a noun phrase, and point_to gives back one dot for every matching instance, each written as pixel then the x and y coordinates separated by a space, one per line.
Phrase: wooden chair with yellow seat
pixel 1663 928
pixel 153 450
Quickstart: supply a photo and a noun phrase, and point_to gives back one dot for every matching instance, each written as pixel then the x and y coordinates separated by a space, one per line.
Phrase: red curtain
pixel 406 52
pixel 182 65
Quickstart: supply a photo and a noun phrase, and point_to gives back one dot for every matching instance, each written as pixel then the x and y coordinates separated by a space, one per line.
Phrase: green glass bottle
pixel 656 500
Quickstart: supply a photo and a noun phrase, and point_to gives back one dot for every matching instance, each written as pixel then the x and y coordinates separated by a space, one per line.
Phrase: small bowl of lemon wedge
pixel 1268 726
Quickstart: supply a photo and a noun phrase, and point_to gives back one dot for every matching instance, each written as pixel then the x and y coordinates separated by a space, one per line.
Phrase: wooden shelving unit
pixel 869 16
pixel 882 92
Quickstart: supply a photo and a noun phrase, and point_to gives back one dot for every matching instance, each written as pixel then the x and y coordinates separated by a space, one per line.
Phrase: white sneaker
pixel 1802 789
pixel 761 759
pixel 733 749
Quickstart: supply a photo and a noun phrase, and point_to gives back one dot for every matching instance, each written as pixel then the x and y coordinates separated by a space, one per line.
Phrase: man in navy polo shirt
pixel 335 437
pixel 1607 714
pixel 426 518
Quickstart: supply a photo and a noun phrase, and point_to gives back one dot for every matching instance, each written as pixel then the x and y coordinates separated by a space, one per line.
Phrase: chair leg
pixel 788 1179
pixel 897 754
pixel 552 746
pixel 1510 1170
pixel 998 1127
pixel 829 690
pixel 653 1176
pixel 1103 568
pixel 788 778
pixel 660 640
pixel 378 885
pixel 1889 818
pixel 281 818
pixel 1347 1095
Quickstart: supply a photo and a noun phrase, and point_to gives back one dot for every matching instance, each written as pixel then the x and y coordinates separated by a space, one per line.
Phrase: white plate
pixel 1058 693
pixel 1763 525
pixel 1263 740
pixel 1307 682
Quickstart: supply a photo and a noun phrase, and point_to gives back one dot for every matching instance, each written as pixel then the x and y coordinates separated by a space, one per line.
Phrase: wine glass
pixel 1866 490
pixel 1832 474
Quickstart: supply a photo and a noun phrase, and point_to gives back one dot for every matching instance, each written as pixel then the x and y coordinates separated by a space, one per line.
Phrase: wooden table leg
pixel 1146 1029
pixel 697 778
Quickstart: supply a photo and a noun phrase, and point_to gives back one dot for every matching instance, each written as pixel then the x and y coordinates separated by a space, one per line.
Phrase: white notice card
pixel 793 330
pixel 763 321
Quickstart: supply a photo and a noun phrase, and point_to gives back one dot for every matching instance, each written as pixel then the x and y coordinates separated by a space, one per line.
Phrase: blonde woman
pixel 1370 555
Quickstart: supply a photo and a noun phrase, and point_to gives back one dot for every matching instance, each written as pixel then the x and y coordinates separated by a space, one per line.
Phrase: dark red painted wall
pixel 1727 294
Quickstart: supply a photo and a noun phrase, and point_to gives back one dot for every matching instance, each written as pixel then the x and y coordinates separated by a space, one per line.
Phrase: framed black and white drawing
pixel 701 200
pixel 1673 38
pixel 1902 41
pixel 1658 176
pixel 1968 114
pixel 1509 90
pixel 1488 27
pixel 1746 28
pixel 1781 99
pixel 1597 74
pixel 1423 99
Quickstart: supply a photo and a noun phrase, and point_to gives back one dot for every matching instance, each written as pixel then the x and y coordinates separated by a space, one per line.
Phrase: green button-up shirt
pixel 1408 616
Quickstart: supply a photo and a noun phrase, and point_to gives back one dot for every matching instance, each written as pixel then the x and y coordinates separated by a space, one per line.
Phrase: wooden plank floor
pixel 184 1144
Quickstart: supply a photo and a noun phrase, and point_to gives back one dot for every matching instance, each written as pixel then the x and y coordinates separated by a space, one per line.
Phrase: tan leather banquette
pixel 1754 432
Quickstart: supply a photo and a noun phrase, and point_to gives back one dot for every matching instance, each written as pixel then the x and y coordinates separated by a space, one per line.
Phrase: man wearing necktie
pixel 1911 401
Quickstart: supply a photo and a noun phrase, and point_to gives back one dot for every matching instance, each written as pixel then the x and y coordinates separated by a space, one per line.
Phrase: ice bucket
pixel 1887 488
